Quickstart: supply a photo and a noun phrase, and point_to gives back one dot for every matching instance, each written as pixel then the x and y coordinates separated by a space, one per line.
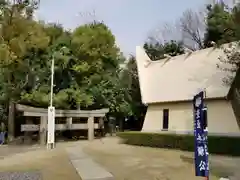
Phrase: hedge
pixel 221 145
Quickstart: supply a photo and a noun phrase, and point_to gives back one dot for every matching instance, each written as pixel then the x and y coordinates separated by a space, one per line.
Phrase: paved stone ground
pixel 140 163
pixel 222 166
pixel 123 161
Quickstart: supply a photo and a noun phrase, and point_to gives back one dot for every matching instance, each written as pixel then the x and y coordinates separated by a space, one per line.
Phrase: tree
pixel 157 51
pixel 98 61
pixel 86 67
pixel 219 25
pixel 58 48
pixel 130 84
pixel 188 29
pixel 192 26
pixel 19 34
pixel 223 26
pixel 232 53
pixel 87 72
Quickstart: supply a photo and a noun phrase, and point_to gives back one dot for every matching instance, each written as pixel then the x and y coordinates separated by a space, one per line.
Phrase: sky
pixel 130 21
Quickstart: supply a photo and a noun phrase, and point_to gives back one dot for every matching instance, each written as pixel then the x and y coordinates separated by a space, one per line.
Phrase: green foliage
pixel 223 26
pixel 97 66
pixel 156 50
pixel 86 72
pixel 87 61
pixel 130 83
pixel 219 25
pixel 21 39
pixel 228 145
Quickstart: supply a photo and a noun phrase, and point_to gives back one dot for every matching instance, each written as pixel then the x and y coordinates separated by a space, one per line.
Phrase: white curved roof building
pixel 168 86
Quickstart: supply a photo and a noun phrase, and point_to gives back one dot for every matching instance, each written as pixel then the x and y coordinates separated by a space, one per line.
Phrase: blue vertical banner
pixel 200 136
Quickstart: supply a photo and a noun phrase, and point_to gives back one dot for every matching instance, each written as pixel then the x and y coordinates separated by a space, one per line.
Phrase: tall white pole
pixel 51 111
pixel 52 76
pixel 51 114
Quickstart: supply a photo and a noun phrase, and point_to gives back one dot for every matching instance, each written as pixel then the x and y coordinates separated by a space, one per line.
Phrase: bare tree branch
pixel 164 33
pixel 192 26
pixel 189 29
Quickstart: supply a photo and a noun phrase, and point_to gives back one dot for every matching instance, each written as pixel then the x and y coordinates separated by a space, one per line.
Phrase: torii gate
pixel 28 111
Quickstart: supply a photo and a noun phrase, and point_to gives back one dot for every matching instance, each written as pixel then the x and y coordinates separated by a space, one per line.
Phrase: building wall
pixel 221 118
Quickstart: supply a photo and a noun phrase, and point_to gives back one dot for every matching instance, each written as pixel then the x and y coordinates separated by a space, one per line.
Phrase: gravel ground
pixel 21 176
pixel 14 149
pixel 48 164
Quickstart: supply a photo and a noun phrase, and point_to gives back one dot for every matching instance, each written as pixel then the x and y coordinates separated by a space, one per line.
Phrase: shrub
pixel 216 144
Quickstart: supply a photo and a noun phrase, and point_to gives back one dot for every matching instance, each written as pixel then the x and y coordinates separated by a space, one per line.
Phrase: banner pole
pixel 205 96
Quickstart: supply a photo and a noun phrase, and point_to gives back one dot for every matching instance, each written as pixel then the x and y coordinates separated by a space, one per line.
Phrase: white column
pixel 90 128
pixel 69 123
pixel 51 128
pixel 43 130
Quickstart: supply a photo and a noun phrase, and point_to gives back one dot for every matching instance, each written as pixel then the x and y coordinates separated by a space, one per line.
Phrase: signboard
pixel 200 136
pixel 51 125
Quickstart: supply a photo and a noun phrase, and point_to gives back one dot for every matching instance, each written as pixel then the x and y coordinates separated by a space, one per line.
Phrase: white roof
pixel 181 77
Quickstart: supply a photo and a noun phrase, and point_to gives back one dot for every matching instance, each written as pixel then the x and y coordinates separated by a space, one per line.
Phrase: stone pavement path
pixel 86 167
pixel 140 163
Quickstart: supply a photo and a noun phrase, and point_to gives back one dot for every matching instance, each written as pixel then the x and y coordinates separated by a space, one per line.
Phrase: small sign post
pixel 200 137
pixel 51 127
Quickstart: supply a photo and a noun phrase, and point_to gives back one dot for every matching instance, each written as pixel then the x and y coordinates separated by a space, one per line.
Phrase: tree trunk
pixel 11 123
